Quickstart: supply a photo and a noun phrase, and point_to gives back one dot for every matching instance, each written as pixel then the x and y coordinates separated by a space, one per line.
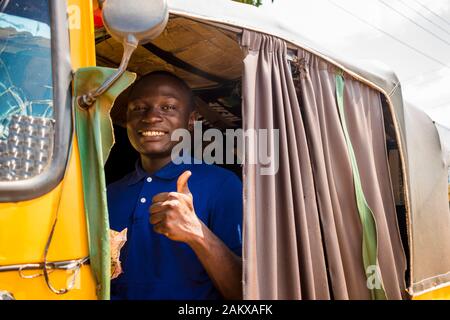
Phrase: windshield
pixel 26 92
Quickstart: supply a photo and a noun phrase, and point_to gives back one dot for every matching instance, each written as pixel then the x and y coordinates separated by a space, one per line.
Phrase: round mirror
pixel 135 20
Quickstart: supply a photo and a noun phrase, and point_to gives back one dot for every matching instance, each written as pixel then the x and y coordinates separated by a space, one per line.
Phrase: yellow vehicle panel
pixel 36 289
pixel 438 294
pixel 82 34
pixel 25 226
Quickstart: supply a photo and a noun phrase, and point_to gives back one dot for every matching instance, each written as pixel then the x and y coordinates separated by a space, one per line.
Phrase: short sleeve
pixel 226 215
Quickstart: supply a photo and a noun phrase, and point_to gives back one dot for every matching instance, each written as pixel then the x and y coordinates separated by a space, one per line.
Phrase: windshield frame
pixel 13 191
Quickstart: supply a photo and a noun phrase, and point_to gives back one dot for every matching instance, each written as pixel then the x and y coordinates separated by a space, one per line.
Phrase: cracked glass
pixel 26 91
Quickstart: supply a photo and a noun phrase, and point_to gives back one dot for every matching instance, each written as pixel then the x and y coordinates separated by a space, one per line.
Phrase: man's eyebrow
pixel 171 96
pixel 143 99
pixel 134 102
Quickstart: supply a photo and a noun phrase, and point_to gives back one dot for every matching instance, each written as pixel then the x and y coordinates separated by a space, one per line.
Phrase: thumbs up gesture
pixel 172 213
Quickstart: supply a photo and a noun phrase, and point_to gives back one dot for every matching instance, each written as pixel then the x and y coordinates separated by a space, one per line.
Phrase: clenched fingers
pixel 160 197
pixel 164 205
pixel 162 228
pixel 158 217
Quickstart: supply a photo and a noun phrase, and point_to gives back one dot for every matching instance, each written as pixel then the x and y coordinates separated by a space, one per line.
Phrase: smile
pixel 152 133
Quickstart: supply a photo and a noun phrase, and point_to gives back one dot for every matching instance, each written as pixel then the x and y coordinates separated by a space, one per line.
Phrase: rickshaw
pixel 64 83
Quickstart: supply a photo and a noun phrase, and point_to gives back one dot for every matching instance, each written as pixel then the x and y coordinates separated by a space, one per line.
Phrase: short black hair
pixel 177 79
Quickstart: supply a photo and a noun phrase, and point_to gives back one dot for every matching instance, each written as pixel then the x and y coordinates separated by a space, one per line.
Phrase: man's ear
pixel 192 118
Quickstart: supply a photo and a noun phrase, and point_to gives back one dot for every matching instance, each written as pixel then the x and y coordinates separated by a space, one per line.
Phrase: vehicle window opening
pixel 398 187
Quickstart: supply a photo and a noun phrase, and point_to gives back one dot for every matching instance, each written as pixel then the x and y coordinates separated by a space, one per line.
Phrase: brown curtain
pixel 302 233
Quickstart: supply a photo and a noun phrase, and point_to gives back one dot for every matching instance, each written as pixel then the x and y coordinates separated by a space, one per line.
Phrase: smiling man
pixel 184 221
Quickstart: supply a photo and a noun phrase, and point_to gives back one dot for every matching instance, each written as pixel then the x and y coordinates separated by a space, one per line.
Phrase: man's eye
pixel 139 108
pixel 168 107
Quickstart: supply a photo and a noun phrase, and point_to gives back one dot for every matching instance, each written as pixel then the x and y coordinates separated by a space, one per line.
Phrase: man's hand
pixel 172 213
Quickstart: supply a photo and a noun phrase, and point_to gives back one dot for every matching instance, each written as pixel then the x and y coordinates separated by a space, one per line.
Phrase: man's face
pixel 157 107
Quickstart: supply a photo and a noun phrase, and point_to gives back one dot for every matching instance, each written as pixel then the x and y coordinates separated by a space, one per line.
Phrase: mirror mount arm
pixel 87 100
pixel 134 22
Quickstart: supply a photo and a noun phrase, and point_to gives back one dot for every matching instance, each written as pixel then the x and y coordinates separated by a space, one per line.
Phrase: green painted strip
pixel 369 243
pixel 95 140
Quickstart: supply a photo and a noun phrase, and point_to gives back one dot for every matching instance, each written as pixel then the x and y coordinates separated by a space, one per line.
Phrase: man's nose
pixel 152 115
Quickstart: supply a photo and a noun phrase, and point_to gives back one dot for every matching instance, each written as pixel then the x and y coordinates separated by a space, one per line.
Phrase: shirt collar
pixel 169 172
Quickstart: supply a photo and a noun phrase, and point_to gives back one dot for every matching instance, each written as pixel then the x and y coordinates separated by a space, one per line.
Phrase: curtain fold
pixel 366 127
pixel 302 231
pixel 283 253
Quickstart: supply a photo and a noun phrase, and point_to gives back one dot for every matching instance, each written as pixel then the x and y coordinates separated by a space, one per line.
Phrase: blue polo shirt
pixel 155 267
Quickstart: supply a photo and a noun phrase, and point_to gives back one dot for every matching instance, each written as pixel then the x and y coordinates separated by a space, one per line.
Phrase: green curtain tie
pixel 369 242
pixel 95 139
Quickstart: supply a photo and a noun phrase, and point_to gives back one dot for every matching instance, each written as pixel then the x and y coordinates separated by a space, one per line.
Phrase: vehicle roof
pixel 244 16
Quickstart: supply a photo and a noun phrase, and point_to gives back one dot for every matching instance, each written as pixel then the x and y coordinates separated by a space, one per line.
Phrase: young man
pixel 184 221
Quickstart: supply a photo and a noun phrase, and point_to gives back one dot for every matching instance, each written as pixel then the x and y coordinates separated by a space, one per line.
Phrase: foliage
pixel 256 3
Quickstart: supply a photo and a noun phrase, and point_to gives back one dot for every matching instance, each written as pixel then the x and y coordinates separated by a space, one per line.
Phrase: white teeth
pixel 152 133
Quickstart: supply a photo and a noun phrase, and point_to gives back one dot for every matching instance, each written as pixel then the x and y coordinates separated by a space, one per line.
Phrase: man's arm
pixel 223 266
pixel 173 215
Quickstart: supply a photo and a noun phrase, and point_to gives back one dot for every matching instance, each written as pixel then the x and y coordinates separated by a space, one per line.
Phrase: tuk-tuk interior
pixel 208 58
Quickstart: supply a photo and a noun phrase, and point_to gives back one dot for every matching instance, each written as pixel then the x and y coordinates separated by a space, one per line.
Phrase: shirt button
pixel 149 179
pixel 143 200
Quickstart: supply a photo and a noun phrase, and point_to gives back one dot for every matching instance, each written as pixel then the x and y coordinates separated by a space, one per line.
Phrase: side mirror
pixel 131 22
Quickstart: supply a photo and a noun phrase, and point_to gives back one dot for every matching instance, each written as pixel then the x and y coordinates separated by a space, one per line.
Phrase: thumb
pixel 182 183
